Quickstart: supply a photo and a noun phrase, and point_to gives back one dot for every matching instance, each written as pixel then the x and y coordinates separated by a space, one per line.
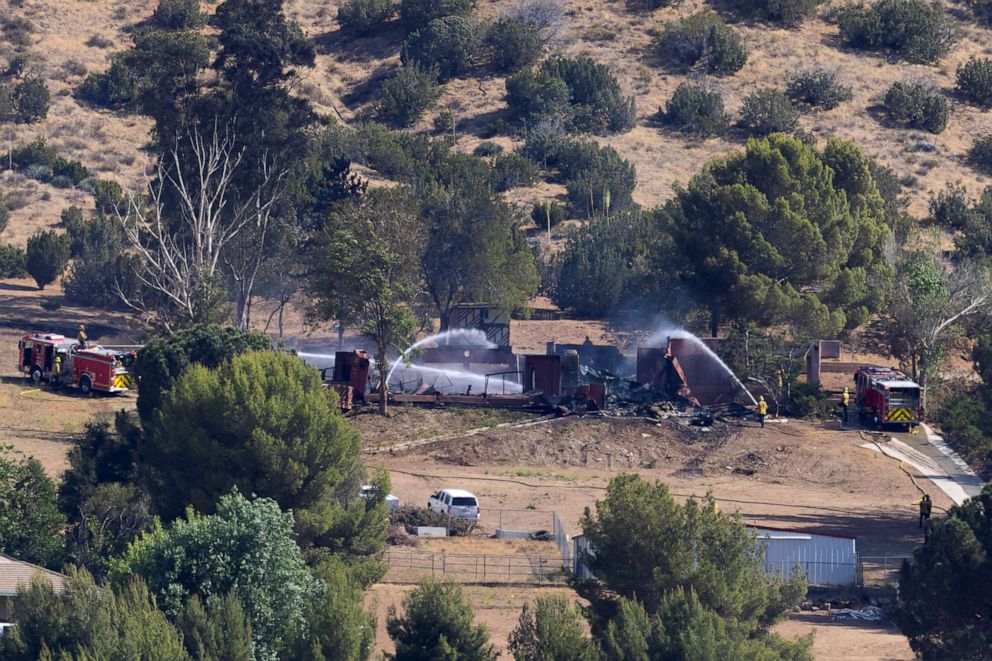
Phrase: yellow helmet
pixel 761 398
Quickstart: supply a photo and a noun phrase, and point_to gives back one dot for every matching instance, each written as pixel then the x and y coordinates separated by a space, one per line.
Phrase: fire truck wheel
pixel 36 374
pixel 86 385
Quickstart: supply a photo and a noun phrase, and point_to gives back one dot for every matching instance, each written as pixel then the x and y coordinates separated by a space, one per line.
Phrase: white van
pixel 455 502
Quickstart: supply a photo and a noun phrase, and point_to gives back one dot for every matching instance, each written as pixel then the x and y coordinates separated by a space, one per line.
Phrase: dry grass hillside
pixel 70 39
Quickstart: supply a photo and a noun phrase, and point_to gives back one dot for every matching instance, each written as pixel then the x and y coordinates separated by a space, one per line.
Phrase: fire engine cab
pixel 61 361
pixel 886 396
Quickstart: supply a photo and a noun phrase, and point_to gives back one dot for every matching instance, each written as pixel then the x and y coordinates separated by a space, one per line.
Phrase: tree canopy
pixel 261 422
pixel 31 526
pixel 944 607
pixel 246 547
pixel 437 623
pixel 784 233
pixel 367 269
pixel 676 558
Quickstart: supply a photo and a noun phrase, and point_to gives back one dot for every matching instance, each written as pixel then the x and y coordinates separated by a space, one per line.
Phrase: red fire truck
pixel 88 368
pixel 885 396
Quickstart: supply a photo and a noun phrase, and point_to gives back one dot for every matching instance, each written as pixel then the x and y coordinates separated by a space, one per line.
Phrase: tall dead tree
pixel 930 302
pixel 183 229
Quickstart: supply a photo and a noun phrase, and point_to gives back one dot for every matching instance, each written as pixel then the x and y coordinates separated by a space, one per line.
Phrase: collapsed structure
pixel 583 376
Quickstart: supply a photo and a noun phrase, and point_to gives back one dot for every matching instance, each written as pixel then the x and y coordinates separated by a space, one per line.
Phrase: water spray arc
pixel 466 336
pixel 675 332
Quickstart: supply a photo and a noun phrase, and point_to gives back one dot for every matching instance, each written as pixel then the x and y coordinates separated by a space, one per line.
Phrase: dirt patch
pixel 405 424
pixel 848 639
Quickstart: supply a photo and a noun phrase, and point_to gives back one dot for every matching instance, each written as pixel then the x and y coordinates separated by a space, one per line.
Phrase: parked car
pixel 455 502
pixel 392 502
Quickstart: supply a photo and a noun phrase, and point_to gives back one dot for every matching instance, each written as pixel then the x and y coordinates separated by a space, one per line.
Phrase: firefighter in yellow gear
pixel 81 336
pixel 762 409
pixel 845 401
pixel 56 370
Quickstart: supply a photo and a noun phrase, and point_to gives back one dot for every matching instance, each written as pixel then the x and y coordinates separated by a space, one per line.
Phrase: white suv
pixel 455 502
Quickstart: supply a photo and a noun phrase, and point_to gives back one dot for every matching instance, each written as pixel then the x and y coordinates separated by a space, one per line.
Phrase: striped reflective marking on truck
pixel 123 381
pixel 900 415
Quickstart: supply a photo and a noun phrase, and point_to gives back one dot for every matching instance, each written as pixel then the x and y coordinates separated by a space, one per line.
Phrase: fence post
pixel 433 575
pixel 540 570
pixel 483 569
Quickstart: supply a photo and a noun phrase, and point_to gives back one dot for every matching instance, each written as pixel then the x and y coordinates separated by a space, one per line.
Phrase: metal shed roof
pixel 15 572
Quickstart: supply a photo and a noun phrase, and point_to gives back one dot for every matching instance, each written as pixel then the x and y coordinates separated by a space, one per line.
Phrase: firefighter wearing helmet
pixel 81 336
pixel 762 409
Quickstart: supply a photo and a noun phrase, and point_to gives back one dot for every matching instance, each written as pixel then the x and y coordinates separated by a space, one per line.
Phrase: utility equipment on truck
pixel 53 358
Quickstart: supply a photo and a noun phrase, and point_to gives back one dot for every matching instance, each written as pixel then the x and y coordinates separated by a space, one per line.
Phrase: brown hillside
pixel 71 38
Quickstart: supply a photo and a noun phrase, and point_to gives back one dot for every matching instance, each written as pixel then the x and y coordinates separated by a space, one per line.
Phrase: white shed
pixel 825 559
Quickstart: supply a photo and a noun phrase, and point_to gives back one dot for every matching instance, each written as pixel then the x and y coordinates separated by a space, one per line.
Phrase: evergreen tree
pixel 551 631
pixel 944 607
pixel 262 422
pixel 89 622
pixel 219 631
pixel 769 235
pixel 47 256
pixel 437 623
pixel 31 526
pixel 689 565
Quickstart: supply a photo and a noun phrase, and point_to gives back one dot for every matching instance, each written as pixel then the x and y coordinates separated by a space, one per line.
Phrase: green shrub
pixel 513 171
pixel 702 41
pixel 178 15
pixel 982 9
pixel 114 89
pixel 364 17
pixel 918 31
pixel 18 65
pixel 768 111
pixel 597 179
pixel 951 209
pixel 416 14
pixel 17 30
pixel 448 45
pixel 102 267
pixel 488 149
pixel 109 196
pixel 648 5
pixel 74 223
pixel 405 96
pixel 32 99
pixel 47 256
pixel 980 154
pixel 916 106
pixel 4 214
pixel 37 160
pixel 818 88
pixel 375 146
pixel 580 92
pixel 444 123
pixel 13 262
pixel 786 12
pixel 808 401
pixel 513 45
pixel 547 212
pixel 974 81
pixel 695 109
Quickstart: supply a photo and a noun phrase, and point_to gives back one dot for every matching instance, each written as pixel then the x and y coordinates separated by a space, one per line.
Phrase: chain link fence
pixel 880 571
pixel 410 566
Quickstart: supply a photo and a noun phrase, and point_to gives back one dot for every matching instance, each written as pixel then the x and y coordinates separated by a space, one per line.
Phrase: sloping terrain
pixel 68 40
